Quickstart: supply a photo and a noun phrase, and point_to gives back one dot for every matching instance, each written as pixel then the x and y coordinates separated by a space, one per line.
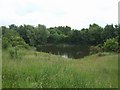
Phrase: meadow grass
pixel 42 70
pixel 0 70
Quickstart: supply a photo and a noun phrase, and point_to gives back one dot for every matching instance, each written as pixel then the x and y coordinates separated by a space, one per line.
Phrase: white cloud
pixel 75 13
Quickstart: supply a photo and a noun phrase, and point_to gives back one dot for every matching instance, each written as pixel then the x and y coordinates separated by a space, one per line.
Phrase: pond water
pixel 68 51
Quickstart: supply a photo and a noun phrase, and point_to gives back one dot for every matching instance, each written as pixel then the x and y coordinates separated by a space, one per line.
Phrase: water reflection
pixel 65 51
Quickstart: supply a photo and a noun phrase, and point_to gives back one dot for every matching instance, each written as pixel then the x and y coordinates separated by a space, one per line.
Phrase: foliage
pixel 75 37
pixel 95 49
pixel 94 34
pixel 5 43
pixel 111 45
pixel 11 39
pixel 40 35
pixel 42 70
pixel 16 52
pixel 13 52
pixel 108 32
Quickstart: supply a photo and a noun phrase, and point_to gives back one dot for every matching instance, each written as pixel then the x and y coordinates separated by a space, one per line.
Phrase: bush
pixel 15 52
pixel 111 45
pixel 12 38
pixel 95 49
pixel 5 43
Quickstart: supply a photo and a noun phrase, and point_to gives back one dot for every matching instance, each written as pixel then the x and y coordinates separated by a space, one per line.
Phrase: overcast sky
pixel 75 13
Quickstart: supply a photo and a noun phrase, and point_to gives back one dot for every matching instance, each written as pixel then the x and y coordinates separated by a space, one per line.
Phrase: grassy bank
pixel 42 70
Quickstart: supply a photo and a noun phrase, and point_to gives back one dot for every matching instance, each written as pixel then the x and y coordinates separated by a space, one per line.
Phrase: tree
pixel 75 37
pixel 84 36
pixel 41 35
pixel 54 35
pixel 25 31
pixel 4 29
pixel 108 32
pixel 64 29
pixel 111 45
pixel 13 27
pixel 94 34
pixel 11 39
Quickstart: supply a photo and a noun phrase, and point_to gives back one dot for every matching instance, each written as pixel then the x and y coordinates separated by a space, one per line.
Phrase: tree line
pixel 40 35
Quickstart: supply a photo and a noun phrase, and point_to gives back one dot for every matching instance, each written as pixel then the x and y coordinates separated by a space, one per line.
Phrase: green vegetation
pixel 111 45
pixel 12 39
pixel 15 52
pixel 40 35
pixel 42 70
pixel 26 68
pixel 0 68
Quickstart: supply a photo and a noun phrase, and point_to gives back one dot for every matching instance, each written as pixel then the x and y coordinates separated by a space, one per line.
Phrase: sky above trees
pixel 74 13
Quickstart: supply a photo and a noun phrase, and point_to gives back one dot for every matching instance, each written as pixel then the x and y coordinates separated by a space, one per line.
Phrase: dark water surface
pixel 67 51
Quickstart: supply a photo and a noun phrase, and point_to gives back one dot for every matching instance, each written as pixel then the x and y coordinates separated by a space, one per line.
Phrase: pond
pixel 66 51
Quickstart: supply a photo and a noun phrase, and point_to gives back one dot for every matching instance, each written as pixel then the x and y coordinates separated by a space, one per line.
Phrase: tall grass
pixel 42 70
pixel 1 74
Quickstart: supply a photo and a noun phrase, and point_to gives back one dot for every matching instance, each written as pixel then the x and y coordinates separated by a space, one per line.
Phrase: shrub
pixel 15 52
pixel 95 49
pixel 111 45
pixel 12 38
pixel 5 43
pixel 101 54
